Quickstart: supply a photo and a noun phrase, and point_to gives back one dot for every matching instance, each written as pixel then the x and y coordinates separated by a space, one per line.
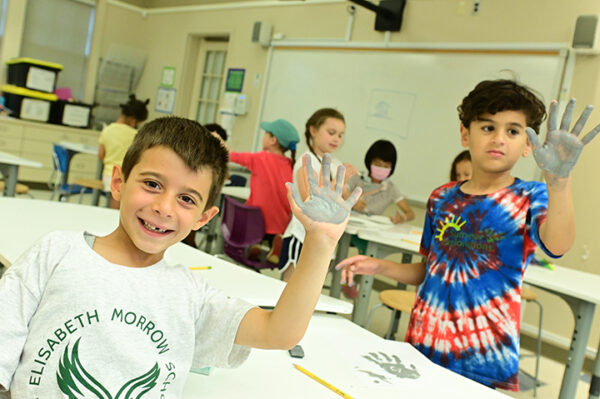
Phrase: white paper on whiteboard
pixel 40 79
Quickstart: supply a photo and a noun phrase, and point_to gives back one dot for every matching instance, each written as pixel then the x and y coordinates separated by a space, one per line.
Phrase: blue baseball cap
pixel 284 132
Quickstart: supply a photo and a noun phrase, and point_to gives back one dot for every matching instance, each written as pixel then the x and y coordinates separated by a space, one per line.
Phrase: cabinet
pixel 34 141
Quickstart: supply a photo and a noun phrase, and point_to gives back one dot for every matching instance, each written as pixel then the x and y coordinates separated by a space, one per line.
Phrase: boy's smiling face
pixel 496 141
pixel 161 201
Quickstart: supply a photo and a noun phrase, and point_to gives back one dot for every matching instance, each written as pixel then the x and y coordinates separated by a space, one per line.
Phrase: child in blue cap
pixel 270 169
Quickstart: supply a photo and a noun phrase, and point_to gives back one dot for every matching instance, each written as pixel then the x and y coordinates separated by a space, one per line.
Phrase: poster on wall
pixel 167 78
pixel 165 100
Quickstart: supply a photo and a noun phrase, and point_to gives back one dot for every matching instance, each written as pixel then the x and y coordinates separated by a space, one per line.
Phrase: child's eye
pixel 152 184
pixel 487 128
pixel 514 132
pixel 188 200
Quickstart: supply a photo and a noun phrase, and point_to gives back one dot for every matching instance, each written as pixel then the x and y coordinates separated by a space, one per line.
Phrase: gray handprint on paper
pixel 391 365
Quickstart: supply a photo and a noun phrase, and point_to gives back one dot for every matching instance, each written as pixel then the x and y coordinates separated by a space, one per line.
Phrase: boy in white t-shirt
pixel 87 316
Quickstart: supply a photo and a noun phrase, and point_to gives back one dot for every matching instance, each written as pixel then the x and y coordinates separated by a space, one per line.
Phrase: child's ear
pixel 116 184
pixel 464 135
pixel 527 149
pixel 207 215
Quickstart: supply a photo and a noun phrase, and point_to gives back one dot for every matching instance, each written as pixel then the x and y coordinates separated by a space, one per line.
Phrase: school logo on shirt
pixel 451 234
pixel 76 382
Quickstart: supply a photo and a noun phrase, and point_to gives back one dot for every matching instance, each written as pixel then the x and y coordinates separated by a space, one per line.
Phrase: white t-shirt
pixel 295 228
pixel 70 320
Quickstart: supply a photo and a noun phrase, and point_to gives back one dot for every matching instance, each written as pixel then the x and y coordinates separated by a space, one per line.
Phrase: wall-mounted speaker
pixel 586 38
pixel 261 33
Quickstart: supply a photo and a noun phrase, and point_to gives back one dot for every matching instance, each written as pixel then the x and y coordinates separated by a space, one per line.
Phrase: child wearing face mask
pixel 378 191
pixel 378 194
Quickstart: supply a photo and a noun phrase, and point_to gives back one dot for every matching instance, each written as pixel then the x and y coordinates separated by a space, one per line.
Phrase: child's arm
pixel 101 152
pixel 557 157
pixel 406 215
pixel 407 273
pixel 324 217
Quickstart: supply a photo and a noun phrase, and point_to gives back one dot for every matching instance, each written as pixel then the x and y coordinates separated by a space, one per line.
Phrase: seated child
pixel 116 138
pixel 461 167
pixel 378 191
pixel 270 170
pixel 86 316
pixel 479 235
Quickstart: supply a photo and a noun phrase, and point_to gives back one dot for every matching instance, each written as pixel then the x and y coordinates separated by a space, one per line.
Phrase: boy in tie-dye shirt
pixel 480 234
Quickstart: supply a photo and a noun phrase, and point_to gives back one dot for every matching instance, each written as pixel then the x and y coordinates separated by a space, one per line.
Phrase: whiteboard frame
pixel 559 49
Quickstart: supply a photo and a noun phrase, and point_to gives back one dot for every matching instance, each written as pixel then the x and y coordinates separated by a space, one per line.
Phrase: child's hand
pixel 557 156
pixel 325 209
pixel 398 218
pixel 358 264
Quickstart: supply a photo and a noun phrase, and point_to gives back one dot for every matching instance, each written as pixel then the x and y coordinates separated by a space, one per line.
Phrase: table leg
pixel 584 313
pixel 96 192
pixel 10 173
pixel 595 383
pixel 340 254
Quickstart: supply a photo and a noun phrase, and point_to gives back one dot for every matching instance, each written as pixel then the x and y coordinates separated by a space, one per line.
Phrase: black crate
pixel 28 104
pixel 33 74
pixel 74 114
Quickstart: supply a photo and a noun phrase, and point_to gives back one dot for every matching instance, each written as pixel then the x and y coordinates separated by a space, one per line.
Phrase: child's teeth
pixel 150 227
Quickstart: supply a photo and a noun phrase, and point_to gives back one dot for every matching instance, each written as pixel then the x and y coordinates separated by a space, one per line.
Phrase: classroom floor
pixel 550 371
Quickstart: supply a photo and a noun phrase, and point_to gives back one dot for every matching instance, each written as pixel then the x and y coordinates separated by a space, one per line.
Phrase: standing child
pixel 324 134
pixel 461 167
pixel 86 316
pixel 479 235
pixel 270 170
pixel 116 138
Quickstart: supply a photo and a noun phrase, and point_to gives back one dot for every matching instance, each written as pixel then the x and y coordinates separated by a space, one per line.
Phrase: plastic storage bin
pixel 33 74
pixel 28 104
pixel 73 114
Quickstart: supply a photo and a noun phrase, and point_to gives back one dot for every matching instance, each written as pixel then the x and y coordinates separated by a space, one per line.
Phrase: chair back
pixel 243 225
pixel 60 158
pixel 237 181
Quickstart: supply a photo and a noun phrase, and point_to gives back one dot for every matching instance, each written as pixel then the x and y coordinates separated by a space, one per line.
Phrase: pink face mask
pixel 379 173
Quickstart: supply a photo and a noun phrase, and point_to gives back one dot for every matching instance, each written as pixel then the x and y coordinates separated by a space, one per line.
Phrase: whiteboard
pixel 406 96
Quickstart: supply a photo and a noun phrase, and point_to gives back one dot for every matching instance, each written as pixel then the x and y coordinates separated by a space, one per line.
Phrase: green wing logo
pixel 75 382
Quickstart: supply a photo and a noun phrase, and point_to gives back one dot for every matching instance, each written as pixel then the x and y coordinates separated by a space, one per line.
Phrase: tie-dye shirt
pixel 467 313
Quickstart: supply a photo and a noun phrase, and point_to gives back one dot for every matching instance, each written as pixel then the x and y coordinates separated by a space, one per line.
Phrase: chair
pixel 57 182
pixel 94 184
pixel 529 295
pixel 242 226
pixel 397 301
pixel 20 189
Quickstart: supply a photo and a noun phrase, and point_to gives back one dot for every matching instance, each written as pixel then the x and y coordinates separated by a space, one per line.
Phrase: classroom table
pixel 31 219
pixel 333 347
pixel 9 168
pixel 579 289
pixel 78 148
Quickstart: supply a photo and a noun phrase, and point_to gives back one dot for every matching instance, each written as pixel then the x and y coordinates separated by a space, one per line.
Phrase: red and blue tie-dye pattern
pixel 467 313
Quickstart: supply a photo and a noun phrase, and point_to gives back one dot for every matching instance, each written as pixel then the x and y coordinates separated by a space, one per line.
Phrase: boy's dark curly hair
pixel 492 96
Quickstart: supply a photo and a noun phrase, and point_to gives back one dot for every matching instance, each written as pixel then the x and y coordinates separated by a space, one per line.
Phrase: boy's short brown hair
pixel 195 145
pixel 492 96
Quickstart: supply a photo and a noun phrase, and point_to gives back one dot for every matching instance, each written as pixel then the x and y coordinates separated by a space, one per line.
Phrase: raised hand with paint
pixel 559 153
pixel 480 234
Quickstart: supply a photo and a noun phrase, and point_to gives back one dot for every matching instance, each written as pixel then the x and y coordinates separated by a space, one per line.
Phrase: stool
pixel 529 295
pixel 19 189
pixel 94 184
pixel 397 301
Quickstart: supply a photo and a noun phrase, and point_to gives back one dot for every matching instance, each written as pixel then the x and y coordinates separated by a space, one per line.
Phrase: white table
pixel 579 289
pixel 77 148
pixel 30 219
pixel 270 373
pixel 9 168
